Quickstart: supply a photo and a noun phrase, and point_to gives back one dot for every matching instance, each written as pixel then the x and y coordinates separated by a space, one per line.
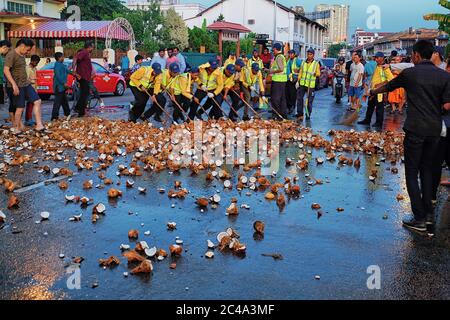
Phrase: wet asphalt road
pixel 338 247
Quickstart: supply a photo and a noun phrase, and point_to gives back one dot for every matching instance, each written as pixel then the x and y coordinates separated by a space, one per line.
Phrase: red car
pixel 105 81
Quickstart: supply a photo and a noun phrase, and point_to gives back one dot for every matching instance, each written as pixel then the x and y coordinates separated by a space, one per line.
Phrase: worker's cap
pixel 157 68
pixel 174 68
pixel 311 50
pixel 240 63
pixel 255 50
pixel 255 67
pixel 233 54
pixel 291 52
pixel 195 70
pixel 231 68
pixel 213 64
pixel 379 54
pixel 277 46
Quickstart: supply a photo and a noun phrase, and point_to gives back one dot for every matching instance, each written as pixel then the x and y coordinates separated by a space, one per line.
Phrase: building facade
pixel 270 18
pixel 361 37
pixel 16 13
pixel 185 10
pixel 337 23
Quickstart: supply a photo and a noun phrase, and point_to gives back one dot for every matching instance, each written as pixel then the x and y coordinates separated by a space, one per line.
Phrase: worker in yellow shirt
pixel 381 76
pixel 234 92
pixel 179 90
pixel 255 59
pixel 231 59
pixel 252 87
pixel 212 79
pixel 307 78
pixel 145 84
pixel 195 86
pixel 228 74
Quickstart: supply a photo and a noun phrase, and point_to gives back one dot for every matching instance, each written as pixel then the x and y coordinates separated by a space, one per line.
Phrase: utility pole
pixel 275 22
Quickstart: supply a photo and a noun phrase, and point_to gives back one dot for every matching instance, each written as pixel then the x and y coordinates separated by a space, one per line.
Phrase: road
pixel 339 247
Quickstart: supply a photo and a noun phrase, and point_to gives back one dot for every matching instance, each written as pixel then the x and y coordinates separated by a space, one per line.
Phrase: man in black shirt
pixel 428 91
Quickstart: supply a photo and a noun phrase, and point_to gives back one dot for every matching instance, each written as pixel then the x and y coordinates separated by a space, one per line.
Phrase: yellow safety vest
pixel 383 79
pixel 279 77
pixel 147 80
pixel 175 84
pixel 210 81
pixel 308 78
pixel 228 82
pixel 259 62
pixel 248 77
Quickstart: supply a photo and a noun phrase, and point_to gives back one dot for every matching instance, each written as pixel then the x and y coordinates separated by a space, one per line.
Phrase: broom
pixel 355 115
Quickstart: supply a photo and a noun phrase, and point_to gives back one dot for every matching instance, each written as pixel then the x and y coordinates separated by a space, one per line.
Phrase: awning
pixel 60 30
pixel 228 26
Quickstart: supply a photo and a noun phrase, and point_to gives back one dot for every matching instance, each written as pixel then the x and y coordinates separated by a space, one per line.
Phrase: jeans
pixel 84 96
pixel 60 100
pixel 302 90
pixel 420 153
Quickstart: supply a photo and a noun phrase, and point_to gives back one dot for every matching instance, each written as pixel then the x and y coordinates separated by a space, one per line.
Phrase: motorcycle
pixel 339 86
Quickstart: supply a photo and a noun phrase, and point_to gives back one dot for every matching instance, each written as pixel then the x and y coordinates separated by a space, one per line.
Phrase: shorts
pixel 356 92
pixel 26 94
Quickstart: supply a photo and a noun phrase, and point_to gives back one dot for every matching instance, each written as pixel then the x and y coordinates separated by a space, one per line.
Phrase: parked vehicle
pixel 339 86
pixel 105 81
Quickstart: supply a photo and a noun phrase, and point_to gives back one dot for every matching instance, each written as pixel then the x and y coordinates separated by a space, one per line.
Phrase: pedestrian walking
pixel 356 89
pixel 278 72
pixel 60 86
pixel 293 65
pixel 306 85
pixel 83 67
pixel 5 46
pixel 160 58
pixel 380 77
pixel 428 92
pixel 31 74
pixel 20 89
pixel 145 84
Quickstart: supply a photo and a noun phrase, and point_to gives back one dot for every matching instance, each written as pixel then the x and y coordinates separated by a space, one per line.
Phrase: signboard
pixel 262 36
pixel 230 36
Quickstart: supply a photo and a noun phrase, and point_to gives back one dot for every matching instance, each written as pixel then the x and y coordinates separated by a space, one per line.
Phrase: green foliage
pixel 442 18
pixel 96 10
pixel 221 18
pixel 177 32
pixel 334 49
pixel 201 37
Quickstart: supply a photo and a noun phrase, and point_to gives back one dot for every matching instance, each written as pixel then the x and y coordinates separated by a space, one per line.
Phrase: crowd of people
pixel 420 82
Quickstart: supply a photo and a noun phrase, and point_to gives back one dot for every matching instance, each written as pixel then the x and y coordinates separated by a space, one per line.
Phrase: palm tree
pixel 442 18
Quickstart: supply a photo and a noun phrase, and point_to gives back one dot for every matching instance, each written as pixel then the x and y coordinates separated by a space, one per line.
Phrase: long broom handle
pixel 231 107
pixel 172 97
pixel 203 109
pixel 247 104
pixel 217 104
pixel 273 109
pixel 159 106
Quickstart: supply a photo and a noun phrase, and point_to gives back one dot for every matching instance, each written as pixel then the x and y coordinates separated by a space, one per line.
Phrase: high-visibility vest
pixel 248 77
pixel 252 61
pixel 279 77
pixel 210 80
pixel 175 85
pixel 228 82
pixel 383 79
pixel 308 78
pixel 147 80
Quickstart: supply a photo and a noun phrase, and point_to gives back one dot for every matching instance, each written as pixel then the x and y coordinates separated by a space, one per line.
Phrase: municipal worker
pixel 278 71
pixel 293 65
pixel 179 90
pixel 145 83
pixel 212 79
pixel 228 74
pixel 231 59
pixel 252 87
pixel 381 76
pixel 234 92
pixel 255 59
pixel 307 78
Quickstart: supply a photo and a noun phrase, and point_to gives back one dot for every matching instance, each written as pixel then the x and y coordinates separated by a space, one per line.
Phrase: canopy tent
pixel 60 30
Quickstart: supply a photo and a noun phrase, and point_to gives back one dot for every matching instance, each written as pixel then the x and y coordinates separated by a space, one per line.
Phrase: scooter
pixel 339 86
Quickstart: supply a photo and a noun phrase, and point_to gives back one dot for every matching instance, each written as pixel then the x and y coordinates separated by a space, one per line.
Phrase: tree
pixel 335 49
pixel 147 24
pixel 220 18
pixel 442 18
pixel 96 10
pixel 177 32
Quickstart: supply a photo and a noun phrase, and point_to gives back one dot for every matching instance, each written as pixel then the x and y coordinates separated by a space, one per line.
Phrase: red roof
pixel 228 26
pixel 60 29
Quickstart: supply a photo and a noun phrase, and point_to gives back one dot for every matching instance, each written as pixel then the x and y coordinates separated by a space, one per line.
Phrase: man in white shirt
pixel 356 82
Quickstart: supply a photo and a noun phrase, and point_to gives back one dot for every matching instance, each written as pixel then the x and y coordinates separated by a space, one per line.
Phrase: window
pixel 251 21
pixel 20 7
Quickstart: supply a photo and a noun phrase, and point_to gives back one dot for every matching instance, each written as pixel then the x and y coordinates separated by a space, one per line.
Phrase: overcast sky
pixel 397 15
